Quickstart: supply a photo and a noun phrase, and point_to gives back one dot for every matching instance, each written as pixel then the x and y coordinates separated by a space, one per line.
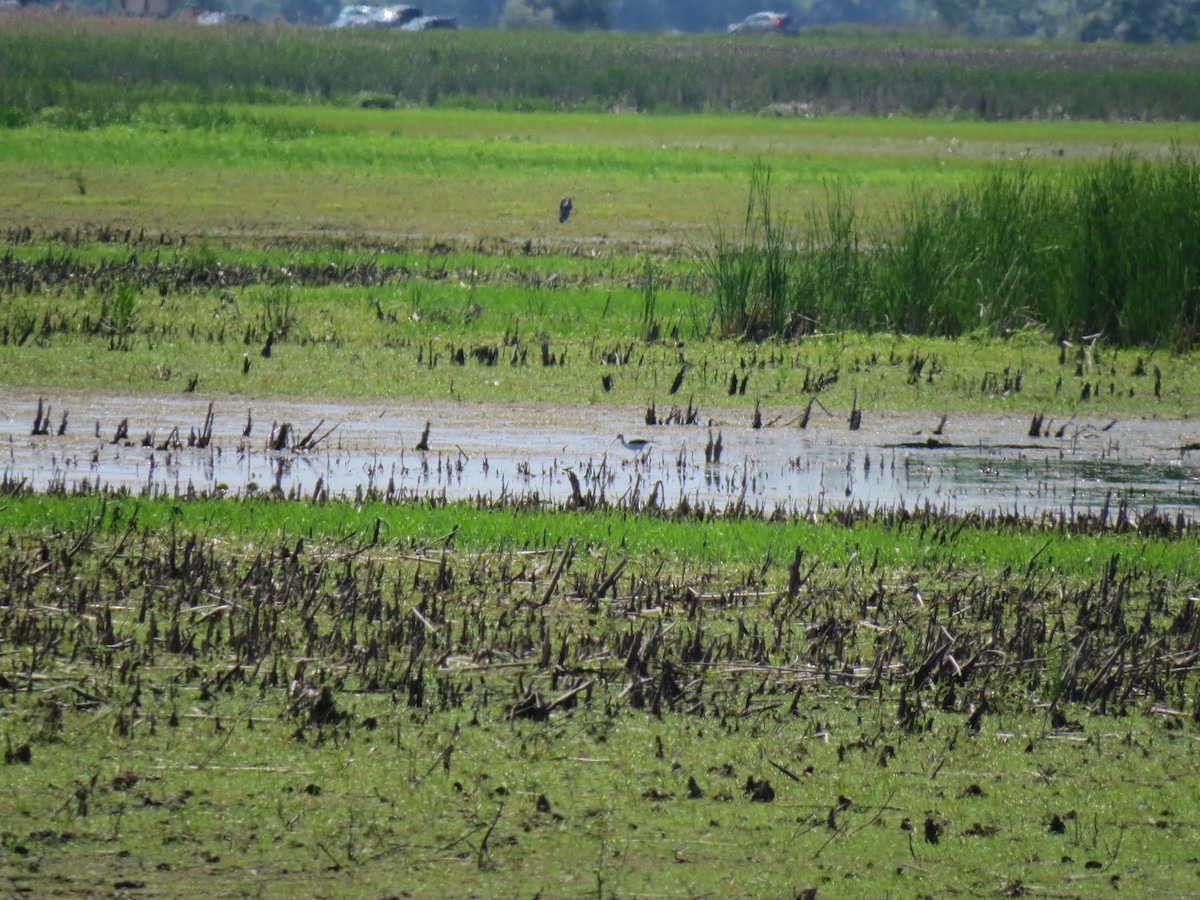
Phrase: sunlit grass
pixel 918 544
pixel 487 175
pixel 413 336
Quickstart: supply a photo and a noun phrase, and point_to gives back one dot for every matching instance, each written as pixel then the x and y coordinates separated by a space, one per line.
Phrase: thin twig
pixel 878 813
pixel 790 774
pixel 487 834
pixel 337 866
pixel 567 556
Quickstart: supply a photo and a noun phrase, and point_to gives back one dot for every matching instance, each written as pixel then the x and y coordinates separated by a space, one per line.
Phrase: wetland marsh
pixel 927 620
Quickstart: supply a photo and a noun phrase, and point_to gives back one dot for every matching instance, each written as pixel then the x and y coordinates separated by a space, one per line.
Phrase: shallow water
pixel 499 451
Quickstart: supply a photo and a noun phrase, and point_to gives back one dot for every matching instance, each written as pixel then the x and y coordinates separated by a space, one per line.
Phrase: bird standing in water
pixel 635 444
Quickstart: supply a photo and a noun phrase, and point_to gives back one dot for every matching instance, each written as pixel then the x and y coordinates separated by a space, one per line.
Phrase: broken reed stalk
pixel 205 436
pixel 564 561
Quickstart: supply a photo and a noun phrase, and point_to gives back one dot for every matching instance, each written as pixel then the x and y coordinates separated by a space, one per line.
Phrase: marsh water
pixel 974 463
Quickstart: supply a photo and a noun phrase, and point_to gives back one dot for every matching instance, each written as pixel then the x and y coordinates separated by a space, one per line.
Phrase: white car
pixel 765 23
pixel 365 16
pixel 425 23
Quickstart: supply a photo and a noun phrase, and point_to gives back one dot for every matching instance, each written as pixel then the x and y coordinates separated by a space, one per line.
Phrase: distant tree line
pixel 1134 21
pixel 1131 21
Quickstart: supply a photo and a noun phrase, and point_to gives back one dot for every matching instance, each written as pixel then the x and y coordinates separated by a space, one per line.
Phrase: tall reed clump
pixel 833 272
pixel 1109 249
pixel 753 273
pixel 982 258
pixel 650 324
pixel 117 314
pixel 1134 268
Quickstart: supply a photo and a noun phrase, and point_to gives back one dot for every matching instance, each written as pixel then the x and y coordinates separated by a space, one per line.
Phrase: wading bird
pixel 564 209
pixel 635 444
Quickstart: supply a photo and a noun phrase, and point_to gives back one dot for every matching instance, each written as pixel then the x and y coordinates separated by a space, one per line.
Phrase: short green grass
pixel 922 543
pixel 587 807
pixel 483 175
pixel 400 340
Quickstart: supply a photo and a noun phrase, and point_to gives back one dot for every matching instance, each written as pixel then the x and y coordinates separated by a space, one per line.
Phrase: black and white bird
pixel 635 444
pixel 564 209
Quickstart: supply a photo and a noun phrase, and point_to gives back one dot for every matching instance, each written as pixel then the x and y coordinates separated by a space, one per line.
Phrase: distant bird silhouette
pixel 564 209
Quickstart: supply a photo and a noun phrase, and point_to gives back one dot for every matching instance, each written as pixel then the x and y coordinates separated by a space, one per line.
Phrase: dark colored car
pixel 765 23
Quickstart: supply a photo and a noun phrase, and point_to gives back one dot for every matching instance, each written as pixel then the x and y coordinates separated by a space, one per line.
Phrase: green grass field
pixel 467 176
pixel 256 697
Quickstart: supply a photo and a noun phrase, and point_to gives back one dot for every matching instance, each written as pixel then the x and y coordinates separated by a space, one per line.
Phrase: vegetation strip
pixel 97 73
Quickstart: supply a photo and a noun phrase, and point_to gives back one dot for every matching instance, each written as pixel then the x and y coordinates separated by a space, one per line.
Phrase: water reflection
pixel 979 464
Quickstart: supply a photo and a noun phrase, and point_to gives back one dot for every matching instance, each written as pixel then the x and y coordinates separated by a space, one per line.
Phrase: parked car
pixel 209 17
pixel 765 23
pixel 424 23
pixel 362 15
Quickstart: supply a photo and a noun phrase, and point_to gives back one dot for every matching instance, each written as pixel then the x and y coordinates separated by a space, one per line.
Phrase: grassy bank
pixel 560 330
pixel 256 174
pixel 409 238
pixel 891 542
